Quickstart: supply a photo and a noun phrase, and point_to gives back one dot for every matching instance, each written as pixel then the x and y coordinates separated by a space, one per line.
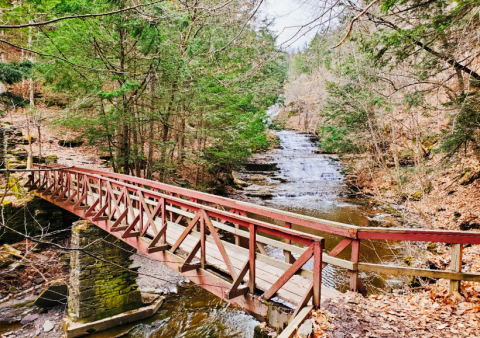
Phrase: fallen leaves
pixel 427 313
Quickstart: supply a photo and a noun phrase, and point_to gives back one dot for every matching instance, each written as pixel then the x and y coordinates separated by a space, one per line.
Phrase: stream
pixel 294 177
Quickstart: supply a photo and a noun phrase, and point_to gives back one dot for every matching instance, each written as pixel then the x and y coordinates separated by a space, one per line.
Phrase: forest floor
pixel 428 313
pixel 33 270
pixel 82 156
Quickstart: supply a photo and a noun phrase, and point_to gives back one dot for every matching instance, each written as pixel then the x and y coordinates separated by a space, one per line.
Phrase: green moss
pixel 432 247
pixel 416 196
pixel 24 304
pixel 51 159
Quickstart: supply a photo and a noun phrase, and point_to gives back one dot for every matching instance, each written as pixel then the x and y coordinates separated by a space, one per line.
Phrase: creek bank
pixel 429 313
pixel 450 202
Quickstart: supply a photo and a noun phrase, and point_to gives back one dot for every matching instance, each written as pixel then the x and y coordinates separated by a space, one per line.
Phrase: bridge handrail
pixel 336 228
pixel 352 234
pixel 118 206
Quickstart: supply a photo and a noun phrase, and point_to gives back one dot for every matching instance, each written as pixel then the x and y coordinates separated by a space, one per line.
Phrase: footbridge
pixel 219 243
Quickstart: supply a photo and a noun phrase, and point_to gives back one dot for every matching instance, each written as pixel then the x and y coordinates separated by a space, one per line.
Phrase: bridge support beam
pixel 100 283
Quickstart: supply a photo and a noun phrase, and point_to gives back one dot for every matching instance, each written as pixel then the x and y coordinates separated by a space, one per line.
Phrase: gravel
pixel 154 277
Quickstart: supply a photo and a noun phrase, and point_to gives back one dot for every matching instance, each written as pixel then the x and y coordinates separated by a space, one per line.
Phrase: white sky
pixel 288 16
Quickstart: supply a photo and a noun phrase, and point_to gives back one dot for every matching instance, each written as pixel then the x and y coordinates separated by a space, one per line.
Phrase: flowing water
pixel 297 178
pixel 192 313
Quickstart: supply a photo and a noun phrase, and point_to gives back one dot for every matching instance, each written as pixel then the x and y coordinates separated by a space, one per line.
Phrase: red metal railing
pixel 138 210
pixel 233 212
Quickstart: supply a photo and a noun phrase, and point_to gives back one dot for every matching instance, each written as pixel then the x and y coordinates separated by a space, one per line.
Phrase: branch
pixel 61 59
pixel 36 24
pixel 426 48
pixel 352 22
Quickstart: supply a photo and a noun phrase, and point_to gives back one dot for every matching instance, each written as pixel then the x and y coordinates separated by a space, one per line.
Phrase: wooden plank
pixel 261 248
pixel 203 244
pixel 291 293
pixel 286 253
pixel 392 234
pixel 295 323
pixel 252 257
pixel 185 232
pixel 456 265
pixel 340 247
pixel 187 266
pixel 304 301
pixel 317 273
pixel 353 274
pixel 234 290
pixel 405 271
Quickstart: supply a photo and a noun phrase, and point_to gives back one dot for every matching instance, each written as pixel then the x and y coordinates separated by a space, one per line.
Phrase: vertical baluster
pixel 317 273
pixel 354 258
pixel 109 200
pixel 252 256
pixel 77 175
pixel 288 255
pixel 456 266
pixel 140 214
pixel 164 220
pixel 70 186
pixel 202 241
pixel 100 193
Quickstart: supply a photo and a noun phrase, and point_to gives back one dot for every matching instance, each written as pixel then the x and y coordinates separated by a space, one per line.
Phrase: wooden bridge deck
pixel 186 229
pixel 267 269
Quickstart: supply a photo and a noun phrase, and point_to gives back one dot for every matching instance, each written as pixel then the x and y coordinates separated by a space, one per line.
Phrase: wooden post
pixel 164 219
pixel 252 257
pixel 354 258
pixel 237 238
pixel 288 255
pixel 202 242
pixel 456 266
pixel 317 273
